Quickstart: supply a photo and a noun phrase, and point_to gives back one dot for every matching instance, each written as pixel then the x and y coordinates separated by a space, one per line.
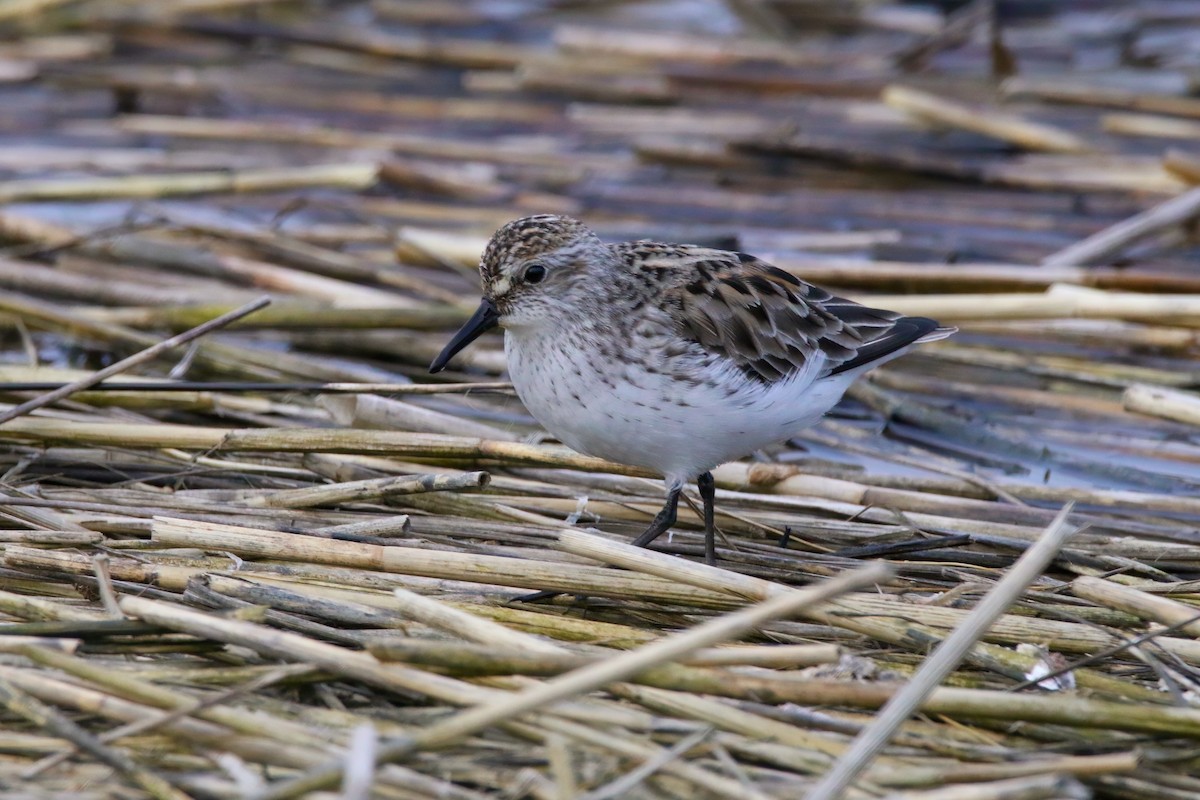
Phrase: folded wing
pixel 770 324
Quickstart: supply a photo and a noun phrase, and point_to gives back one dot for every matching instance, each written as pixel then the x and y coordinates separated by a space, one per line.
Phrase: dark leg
pixel 536 597
pixel 659 525
pixel 662 521
pixel 708 493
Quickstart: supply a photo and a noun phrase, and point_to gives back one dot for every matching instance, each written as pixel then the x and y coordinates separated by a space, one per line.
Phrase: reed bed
pixel 251 549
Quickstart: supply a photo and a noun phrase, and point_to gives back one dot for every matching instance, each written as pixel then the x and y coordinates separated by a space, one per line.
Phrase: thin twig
pixel 483 387
pixel 943 660
pixel 134 360
pixel 1114 238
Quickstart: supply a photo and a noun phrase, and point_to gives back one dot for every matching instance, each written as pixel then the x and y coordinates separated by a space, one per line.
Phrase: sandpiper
pixel 672 357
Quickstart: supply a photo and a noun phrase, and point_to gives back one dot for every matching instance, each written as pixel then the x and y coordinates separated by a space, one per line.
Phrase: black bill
pixel 484 319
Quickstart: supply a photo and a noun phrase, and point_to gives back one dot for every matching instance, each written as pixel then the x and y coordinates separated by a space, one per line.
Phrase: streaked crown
pixel 526 238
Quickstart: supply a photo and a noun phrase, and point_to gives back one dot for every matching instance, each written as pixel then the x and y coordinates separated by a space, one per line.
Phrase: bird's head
pixel 535 271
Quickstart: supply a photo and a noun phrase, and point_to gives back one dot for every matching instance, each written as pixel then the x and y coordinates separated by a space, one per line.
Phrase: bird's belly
pixel 653 420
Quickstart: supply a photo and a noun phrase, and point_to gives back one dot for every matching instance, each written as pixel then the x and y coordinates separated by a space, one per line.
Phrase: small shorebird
pixel 672 357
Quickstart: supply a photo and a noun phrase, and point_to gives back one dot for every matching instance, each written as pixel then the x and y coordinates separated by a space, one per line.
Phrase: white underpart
pixel 626 414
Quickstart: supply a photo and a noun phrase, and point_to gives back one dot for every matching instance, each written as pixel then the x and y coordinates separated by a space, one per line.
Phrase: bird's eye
pixel 535 273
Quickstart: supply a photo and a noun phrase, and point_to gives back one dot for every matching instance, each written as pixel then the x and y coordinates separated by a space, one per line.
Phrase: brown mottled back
pixel 766 321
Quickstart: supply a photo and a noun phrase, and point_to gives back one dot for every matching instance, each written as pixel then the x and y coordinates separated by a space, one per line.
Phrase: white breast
pixel 674 420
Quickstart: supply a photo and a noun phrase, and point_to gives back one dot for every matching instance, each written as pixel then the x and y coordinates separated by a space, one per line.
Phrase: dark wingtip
pixel 922 325
pixel 906 331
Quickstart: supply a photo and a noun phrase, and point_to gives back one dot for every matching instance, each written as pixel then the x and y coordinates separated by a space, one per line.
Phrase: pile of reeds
pixel 270 556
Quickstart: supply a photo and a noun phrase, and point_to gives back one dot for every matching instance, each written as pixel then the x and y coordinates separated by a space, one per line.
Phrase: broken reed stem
pixel 16 644
pixel 391 525
pixel 43 609
pixel 1034 787
pixel 1162 610
pixel 1061 301
pixel 776 656
pixel 353 177
pixel 971 704
pixel 944 660
pixel 1111 240
pixel 370 490
pixel 593 676
pixel 303 440
pixel 134 360
pixel 468 626
pixel 151 385
pixel 61 538
pixel 472 660
pixel 289 315
pixel 989 122
pixel 1159 401
pixel 1104 764
pixel 664 566
pixel 486 658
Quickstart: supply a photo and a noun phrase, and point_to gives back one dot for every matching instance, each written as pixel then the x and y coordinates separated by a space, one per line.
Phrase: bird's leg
pixel 708 493
pixel 663 520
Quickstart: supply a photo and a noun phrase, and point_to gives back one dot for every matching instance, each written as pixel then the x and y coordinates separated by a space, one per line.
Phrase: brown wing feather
pixel 770 323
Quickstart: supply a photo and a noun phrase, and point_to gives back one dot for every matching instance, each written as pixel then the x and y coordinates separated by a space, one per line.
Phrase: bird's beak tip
pixel 485 318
